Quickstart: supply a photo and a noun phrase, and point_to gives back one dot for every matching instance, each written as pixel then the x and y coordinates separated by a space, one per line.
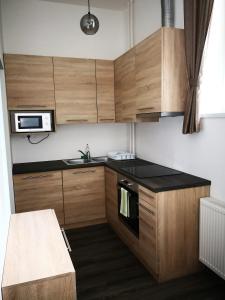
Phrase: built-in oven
pixel 128 204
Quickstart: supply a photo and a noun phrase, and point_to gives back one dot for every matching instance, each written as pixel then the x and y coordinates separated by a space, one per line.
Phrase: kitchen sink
pixel 100 159
pixel 77 161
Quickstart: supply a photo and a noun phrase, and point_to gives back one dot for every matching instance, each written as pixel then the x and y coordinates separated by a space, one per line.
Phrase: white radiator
pixel 212 235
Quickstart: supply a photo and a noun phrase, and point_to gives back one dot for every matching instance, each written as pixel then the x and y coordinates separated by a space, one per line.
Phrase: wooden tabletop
pixel 35 249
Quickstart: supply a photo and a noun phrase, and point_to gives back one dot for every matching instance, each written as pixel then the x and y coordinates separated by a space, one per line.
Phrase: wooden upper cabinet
pixel 37 191
pixel 105 91
pixel 148 74
pixel 125 92
pixel 75 90
pixel 161 79
pixel 29 82
pixel 84 196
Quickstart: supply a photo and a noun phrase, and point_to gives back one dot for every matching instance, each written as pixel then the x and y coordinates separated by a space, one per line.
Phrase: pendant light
pixel 89 23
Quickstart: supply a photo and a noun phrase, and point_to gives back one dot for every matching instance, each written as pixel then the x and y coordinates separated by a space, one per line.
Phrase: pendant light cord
pixel 89 7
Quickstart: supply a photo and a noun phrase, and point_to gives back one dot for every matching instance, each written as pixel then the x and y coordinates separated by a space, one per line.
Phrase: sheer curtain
pixel 211 91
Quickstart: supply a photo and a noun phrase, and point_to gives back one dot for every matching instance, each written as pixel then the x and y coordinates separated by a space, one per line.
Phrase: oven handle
pixel 127 188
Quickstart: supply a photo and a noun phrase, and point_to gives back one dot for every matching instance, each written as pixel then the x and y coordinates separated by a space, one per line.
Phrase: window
pixel 211 94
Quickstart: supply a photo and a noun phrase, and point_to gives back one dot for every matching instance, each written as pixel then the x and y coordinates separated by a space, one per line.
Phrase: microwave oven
pixel 32 121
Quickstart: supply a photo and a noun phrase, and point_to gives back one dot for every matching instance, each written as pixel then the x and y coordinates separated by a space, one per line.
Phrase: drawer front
pixel 148 230
pixel 36 191
pixel 147 198
pixel 148 223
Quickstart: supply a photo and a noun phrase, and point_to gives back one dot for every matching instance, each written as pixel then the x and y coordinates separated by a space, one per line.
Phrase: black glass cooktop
pixel 150 171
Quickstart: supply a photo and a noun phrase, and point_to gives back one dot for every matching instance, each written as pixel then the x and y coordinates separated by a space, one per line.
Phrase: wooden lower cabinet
pixel 37 191
pixel 112 211
pixel 84 196
pixel 169 226
pixel 148 237
pixel 37 263
pixel 111 195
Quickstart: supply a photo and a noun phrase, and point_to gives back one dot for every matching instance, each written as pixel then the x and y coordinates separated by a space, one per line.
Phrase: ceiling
pixel 105 4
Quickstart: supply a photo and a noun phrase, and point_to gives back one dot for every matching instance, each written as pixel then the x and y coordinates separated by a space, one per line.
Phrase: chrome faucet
pixel 86 155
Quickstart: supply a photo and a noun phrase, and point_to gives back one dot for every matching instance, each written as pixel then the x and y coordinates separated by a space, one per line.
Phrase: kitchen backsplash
pixel 68 139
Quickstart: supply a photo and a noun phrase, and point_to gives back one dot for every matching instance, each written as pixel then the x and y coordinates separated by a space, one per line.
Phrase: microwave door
pixel 32 121
pixel 29 122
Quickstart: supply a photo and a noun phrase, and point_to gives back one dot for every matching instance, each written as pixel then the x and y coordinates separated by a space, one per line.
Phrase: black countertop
pixel 155 184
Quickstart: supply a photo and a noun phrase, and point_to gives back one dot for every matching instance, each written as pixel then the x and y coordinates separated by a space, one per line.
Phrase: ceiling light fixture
pixel 89 23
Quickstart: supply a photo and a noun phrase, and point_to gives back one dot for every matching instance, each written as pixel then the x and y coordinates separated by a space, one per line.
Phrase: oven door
pixel 132 221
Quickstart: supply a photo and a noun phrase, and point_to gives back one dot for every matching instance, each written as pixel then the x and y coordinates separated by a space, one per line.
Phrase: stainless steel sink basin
pixel 100 159
pixel 77 161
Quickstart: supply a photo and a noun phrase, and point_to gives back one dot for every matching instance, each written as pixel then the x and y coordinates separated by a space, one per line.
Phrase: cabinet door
pixel 84 196
pixel 174 75
pixel 148 74
pixel 29 82
pixel 148 229
pixel 111 195
pixel 75 90
pixel 36 191
pixel 105 91
pixel 125 90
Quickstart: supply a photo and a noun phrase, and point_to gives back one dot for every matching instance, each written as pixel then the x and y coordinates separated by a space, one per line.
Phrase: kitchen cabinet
pixel 160 73
pixel 29 82
pixel 37 263
pixel 168 231
pixel 148 229
pixel 37 191
pixel 112 212
pixel 75 90
pixel 125 90
pixel 84 196
pixel 105 91
pixel 111 196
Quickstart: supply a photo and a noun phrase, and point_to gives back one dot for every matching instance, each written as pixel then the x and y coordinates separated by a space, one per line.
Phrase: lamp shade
pixel 89 24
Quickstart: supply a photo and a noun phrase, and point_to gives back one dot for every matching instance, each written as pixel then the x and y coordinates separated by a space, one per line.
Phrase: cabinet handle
pixel 128 119
pixel 147 209
pixel 146 108
pixel 76 120
pixel 107 120
pixel 31 105
pixel 36 177
pixel 146 194
pixel 66 240
pixel 82 172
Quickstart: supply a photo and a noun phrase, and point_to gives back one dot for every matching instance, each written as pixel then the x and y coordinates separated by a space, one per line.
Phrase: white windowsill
pixel 215 115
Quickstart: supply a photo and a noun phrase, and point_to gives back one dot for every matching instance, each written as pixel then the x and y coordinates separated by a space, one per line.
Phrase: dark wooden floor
pixel 106 269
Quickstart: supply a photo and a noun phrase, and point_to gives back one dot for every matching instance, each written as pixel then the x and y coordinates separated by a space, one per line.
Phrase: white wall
pixel 48 28
pixel 147 17
pixel 6 191
pixel 101 138
pixel 199 154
